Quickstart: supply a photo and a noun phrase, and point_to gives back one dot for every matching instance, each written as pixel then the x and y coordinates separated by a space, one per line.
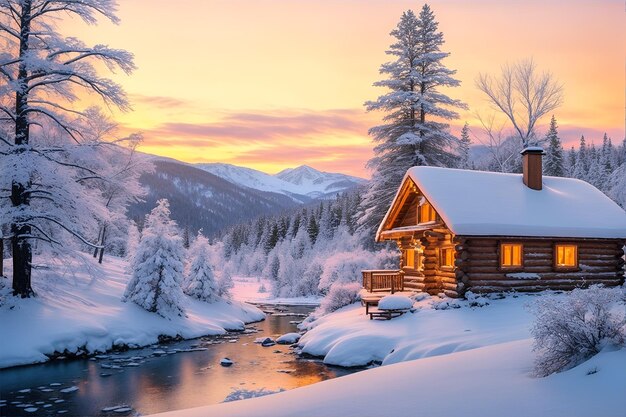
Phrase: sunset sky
pixel 276 84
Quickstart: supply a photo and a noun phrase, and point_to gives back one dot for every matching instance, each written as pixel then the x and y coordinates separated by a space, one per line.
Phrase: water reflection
pixel 167 382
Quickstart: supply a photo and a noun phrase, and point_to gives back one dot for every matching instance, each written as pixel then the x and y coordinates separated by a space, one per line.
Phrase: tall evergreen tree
pixel 312 228
pixel 413 131
pixel 571 162
pixel 157 267
pixel 200 281
pixel 581 167
pixel 464 149
pixel 554 163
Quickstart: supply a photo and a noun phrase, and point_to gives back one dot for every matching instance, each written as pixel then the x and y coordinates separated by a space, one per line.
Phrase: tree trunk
pixel 22 250
pixel 104 230
pixel 95 250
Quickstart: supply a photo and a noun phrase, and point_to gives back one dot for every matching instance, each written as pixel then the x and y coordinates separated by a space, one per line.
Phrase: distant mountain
pixel 199 199
pixel 319 184
pixel 254 179
pixel 301 184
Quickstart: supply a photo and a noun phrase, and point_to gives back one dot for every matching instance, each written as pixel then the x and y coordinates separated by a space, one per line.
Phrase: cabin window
pixel 427 213
pixel 511 255
pixel 409 258
pixel 447 257
pixel 566 256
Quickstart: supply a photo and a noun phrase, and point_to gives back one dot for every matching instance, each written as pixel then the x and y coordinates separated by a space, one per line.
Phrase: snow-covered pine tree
pixel 554 164
pixel 464 149
pixel 581 167
pixel 571 162
pixel 157 266
pixel 312 228
pixel 45 158
pixel 413 132
pixel 200 282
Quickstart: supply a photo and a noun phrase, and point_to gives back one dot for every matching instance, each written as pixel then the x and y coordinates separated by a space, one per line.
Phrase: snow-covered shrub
pixel 225 283
pixel 344 267
pixel 262 289
pixel 157 267
pixel 340 295
pixel 572 328
pixel 475 300
pixel 200 282
pixel 309 281
pixel 272 268
pixel 445 304
pixel 289 273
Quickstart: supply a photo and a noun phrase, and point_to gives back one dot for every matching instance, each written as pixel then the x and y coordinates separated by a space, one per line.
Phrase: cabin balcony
pixel 378 280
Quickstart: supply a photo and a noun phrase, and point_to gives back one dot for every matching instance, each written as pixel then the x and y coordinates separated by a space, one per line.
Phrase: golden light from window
pixel 511 254
pixel 427 213
pixel 409 258
pixel 566 255
pixel 447 257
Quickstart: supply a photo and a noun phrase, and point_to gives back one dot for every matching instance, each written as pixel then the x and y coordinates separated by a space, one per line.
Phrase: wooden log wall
pixel 478 265
pixel 413 278
pixel 439 279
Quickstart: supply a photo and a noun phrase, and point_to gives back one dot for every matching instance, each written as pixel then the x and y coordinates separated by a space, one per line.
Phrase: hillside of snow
pixel 78 308
pixel 447 358
pixel 302 184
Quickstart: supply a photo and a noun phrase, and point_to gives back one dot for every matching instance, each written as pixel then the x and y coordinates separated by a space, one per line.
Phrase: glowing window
pixel 447 257
pixel 409 258
pixel 511 255
pixel 427 213
pixel 566 256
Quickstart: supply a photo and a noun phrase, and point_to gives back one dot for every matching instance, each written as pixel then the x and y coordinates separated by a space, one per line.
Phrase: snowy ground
pixel 78 307
pixel 247 289
pixel 455 361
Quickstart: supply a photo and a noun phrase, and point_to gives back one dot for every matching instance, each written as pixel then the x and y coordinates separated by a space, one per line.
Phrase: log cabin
pixel 462 230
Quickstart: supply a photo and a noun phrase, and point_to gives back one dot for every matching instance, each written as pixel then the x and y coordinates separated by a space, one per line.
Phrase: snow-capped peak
pixel 301 184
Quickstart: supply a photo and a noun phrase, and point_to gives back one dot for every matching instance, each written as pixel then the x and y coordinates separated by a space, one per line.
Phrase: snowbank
pixel 490 381
pixel 436 327
pixel 460 361
pixel 78 308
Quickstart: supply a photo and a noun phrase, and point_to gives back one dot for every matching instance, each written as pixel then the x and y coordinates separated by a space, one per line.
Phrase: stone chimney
pixel 531 162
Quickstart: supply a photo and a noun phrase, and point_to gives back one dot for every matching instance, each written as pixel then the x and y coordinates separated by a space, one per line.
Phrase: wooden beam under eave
pixel 408 187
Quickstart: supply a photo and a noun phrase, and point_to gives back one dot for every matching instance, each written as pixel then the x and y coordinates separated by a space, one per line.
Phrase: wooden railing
pixel 383 280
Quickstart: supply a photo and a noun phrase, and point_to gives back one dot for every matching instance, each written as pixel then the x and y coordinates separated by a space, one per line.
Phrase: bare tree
pixel 503 152
pixel 524 96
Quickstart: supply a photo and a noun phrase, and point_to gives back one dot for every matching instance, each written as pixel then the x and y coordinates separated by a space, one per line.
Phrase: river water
pixel 164 377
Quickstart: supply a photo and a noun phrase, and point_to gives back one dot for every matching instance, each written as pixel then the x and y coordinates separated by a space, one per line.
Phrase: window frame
pixel 442 257
pixel 557 267
pixel 419 213
pixel 501 265
pixel 406 258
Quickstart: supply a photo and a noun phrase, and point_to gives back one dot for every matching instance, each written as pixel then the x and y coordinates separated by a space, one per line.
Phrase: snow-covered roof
pixel 478 203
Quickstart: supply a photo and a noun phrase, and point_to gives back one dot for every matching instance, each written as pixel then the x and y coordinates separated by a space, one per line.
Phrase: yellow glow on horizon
pixel 211 63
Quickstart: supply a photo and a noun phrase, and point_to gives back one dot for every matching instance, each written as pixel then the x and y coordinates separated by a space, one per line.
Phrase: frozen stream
pixel 165 377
